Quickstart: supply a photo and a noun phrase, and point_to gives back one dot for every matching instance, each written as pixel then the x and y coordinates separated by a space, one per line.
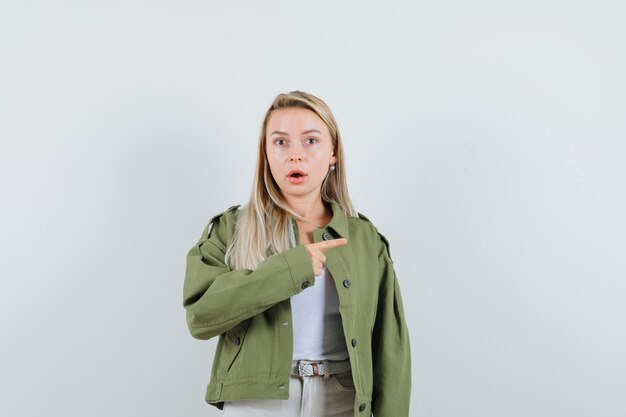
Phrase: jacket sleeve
pixel 390 345
pixel 217 298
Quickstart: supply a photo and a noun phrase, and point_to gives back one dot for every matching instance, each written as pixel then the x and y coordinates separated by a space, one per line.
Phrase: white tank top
pixel 317 329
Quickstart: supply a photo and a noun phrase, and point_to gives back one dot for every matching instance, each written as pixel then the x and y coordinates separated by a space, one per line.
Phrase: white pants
pixel 309 396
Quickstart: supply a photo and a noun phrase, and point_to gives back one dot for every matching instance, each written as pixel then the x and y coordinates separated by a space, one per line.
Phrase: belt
pixel 317 368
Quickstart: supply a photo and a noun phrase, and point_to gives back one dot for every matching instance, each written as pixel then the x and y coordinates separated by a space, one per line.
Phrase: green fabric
pixel 250 311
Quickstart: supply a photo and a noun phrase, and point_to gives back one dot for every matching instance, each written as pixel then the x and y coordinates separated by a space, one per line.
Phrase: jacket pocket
pixel 233 341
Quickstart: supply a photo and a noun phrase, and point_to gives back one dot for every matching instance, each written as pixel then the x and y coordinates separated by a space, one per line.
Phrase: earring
pixel 332 167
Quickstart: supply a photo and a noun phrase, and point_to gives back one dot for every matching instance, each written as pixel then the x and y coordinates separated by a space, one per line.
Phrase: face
pixel 299 151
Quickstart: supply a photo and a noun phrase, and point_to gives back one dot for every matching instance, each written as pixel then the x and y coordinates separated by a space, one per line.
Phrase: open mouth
pixel 296 176
pixel 296 173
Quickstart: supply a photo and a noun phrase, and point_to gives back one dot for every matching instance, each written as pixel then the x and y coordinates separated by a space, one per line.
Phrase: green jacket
pixel 250 311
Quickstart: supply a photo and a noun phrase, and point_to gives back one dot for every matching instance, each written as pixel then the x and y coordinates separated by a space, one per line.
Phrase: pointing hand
pixel 316 252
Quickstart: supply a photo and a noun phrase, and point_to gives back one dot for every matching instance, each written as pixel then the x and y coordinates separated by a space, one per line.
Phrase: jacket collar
pixel 339 222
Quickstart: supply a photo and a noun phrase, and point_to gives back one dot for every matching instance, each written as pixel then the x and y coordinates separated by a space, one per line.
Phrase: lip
pixel 296 171
pixel 296 180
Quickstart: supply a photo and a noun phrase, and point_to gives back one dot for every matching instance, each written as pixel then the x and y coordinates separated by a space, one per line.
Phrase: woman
pixel 299 287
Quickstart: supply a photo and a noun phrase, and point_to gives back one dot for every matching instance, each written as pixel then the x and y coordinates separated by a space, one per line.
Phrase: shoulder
pixel 226 216
pixel 219 227
pixel 363 222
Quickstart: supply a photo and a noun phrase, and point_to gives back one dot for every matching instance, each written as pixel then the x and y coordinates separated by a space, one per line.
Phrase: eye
pixel 279 141
pixel 311 140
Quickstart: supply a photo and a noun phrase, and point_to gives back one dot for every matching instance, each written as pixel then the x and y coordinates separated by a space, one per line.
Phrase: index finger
pixel 332 243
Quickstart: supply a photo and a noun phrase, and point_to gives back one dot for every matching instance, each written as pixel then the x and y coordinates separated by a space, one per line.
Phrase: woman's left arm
pixel 390 345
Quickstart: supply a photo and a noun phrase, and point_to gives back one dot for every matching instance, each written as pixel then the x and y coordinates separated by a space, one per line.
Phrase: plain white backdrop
pixel 485 139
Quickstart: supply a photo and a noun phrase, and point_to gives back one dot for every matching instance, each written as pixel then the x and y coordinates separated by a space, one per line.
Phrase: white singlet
pixel 317 329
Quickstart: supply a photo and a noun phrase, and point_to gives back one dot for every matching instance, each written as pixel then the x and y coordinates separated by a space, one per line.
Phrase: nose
pixel 296 154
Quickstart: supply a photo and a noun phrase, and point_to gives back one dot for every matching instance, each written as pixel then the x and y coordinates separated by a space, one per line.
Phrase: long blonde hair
pixel 262 227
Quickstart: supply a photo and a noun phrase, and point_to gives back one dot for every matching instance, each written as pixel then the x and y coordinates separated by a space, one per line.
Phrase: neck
pixel 312 209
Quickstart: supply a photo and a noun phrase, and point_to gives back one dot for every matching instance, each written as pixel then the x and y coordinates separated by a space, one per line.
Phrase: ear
pixel 333 158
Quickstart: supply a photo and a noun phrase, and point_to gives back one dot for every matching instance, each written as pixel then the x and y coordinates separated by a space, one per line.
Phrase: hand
pixel 316 252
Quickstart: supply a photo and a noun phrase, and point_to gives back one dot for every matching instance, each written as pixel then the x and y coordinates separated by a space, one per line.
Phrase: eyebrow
pixel 279 132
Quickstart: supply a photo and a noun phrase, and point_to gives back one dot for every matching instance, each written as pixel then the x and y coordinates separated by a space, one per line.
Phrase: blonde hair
pixel 262 228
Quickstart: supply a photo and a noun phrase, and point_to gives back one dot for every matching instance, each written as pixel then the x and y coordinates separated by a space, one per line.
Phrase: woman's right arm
pixel 217 298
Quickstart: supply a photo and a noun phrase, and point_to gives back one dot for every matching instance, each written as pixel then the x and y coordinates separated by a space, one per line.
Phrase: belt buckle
pixel 315 367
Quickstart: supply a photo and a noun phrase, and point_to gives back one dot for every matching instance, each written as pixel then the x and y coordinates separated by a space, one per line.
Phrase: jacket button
pixel 326 236
pixel 237 341
pixel 305 285
pixel 353 342
pixel 347 283
pixel 362 407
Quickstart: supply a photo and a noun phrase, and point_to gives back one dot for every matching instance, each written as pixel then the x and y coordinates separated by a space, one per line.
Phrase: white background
pixel 485 139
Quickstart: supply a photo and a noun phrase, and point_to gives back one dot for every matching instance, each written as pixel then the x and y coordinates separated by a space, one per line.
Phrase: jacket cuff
pixel 300 268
